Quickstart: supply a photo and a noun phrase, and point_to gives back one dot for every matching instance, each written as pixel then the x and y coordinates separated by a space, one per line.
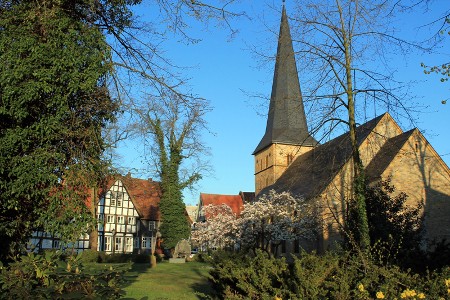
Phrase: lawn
pixel 169 281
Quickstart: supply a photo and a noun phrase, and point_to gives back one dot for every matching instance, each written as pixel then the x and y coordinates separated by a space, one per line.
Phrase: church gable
pixel 384 129
pixel 419 171
pixel 315 170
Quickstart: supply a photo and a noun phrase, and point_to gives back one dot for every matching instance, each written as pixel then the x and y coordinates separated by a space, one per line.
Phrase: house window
pixel 118 245
pixel 108 243
pixel 110 219
pixel 120 219
pixel 151 225
pixel 144 242
pixel 129 244
pixel 113 199
pixel 56 244
pixel 131 220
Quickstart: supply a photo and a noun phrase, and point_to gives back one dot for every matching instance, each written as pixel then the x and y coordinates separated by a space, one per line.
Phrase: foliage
pixel 53 106
pixel 239 276
pixel 49 277
pixel 357 225
pixel 392 221
pixel 340 275
pixel 444 69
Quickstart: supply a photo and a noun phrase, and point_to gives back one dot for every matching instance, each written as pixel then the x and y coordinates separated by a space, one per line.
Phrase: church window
pixel 267 161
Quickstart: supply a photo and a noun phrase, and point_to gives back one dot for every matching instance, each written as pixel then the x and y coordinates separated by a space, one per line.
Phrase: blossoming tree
pixel 218 230
pixel 263 224
pixel 275 218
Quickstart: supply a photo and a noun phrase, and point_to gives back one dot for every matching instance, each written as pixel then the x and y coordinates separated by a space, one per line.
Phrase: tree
pixel 263 224
pixel 54 103
pixel 171 127
pixel 391 220
pixel 61 82
pixel 219 230
pixel 443 69
pixel 337 41
pixel 275 218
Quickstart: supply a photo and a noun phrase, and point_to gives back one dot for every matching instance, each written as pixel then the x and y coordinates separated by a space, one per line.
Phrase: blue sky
pixel 226 71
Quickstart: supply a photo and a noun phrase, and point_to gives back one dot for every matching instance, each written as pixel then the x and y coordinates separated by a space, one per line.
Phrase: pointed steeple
pixel 286 123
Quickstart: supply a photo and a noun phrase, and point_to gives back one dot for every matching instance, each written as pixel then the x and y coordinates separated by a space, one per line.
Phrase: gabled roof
pixel 145 194
pixel 386 154
pixel 247 197
pixel 313 171
pixel 286 122
pixel 233 201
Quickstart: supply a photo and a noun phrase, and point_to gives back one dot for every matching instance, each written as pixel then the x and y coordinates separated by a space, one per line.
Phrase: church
pixel 288 158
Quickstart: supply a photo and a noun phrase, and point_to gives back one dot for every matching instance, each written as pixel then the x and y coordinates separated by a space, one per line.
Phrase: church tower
pixel 286 134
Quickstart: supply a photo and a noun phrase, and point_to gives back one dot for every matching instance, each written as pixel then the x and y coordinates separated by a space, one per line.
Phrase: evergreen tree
pixel 391 220
pixel 54 103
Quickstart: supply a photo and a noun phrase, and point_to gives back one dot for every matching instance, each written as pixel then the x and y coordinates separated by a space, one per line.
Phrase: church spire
pixel 286 123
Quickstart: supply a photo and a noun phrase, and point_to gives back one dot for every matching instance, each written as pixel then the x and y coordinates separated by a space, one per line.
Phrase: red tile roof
pixel 145 194
pixel 233 201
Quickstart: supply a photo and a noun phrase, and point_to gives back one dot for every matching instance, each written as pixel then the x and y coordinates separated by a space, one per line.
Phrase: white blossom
pixel 271 218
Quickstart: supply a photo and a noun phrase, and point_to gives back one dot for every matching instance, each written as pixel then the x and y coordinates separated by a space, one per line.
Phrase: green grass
pixel 169 281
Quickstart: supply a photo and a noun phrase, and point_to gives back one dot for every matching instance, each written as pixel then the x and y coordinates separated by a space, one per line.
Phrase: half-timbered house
pixel 127 214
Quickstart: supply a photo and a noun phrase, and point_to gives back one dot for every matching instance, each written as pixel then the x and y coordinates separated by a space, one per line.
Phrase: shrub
pixel 49 277
pixel 333 275
pixel 237 275
pixel 141 258
pixel 90 256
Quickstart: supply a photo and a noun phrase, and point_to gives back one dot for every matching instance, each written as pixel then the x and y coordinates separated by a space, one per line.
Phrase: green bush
pixel 333 275
pixel 141 258
pixel 49 277
pixel 90 256
pixel 238 276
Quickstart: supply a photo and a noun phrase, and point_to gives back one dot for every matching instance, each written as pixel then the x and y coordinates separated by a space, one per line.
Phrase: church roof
pixel 314 170
pixel 386 154
pixel 286 122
